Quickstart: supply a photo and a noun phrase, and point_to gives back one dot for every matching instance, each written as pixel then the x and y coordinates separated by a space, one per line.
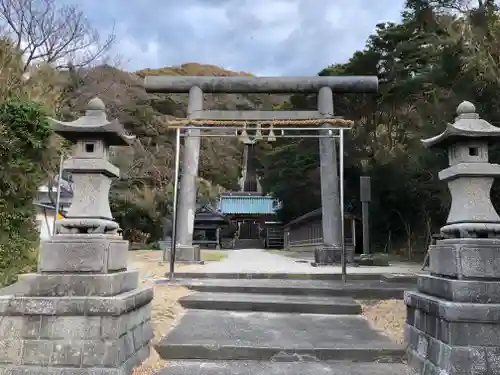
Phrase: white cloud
pixel 270 11
pixel 280 37
pixel 133 52
pixel 202 18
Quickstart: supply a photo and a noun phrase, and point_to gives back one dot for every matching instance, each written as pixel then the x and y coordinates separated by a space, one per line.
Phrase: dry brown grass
pixel 165 313
pixel 166 310
pixel 387 317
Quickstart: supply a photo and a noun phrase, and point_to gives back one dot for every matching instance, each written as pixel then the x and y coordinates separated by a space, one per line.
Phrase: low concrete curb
pixel 410 277
pixel 281 368
pixel 277 354
pixel 359 290
pixel 271 303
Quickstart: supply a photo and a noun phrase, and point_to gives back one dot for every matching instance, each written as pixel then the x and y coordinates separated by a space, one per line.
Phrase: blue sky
pixel 265 37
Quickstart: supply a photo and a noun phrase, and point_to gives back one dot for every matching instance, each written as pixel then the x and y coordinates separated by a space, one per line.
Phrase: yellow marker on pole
pixel 59 216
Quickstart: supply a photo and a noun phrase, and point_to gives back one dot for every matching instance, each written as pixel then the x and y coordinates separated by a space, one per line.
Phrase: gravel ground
pixel 387 317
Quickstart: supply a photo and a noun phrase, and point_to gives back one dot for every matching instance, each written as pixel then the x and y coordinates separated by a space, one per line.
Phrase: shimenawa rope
pixel 306 122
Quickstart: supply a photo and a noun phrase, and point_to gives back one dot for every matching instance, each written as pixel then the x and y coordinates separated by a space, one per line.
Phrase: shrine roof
pixel 248 204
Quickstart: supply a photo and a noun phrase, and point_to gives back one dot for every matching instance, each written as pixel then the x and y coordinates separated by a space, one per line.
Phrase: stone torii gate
pixel 324 86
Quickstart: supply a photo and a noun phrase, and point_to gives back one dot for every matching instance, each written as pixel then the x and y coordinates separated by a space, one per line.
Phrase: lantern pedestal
pixel 83 313
pixel 466 258
pixel 83 253
pixel 453 319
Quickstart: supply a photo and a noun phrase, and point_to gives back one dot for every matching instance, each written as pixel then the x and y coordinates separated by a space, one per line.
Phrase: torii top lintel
pixel 275 85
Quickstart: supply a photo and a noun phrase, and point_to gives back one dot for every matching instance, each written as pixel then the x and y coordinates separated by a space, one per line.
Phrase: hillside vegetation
pixel 147 167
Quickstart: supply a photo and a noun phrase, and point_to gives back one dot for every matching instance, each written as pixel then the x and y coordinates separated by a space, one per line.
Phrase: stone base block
pixel 83 253
pixel 452 338
pixel 327 255
pixel 466 258
pixel 183 253
pixel 373 260
pixel 81 285
pixel 428 356
pixel 471 291
pixel 75 335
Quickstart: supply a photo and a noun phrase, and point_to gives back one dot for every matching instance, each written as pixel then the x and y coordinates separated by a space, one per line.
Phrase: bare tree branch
pixel 45 31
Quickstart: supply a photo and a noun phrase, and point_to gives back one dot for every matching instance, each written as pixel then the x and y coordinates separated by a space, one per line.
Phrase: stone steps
pixel 258 326
pixel 271 303
pixel 227 335
pixel 396 278
pixel 374 289
pixel 281 368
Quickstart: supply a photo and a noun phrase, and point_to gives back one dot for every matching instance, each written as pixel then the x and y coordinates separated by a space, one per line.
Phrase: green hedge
pixel 24 144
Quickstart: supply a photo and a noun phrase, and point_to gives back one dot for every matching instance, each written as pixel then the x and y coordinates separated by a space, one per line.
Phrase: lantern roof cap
pixel 94 124
pixel 467 125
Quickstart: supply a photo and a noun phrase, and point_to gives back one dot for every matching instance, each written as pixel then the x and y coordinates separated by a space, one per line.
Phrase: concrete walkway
pixel 261 261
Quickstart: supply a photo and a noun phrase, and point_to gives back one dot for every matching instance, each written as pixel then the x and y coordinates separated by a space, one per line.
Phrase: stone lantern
pixel 453 319
pixel 83 312
pixel 92 135
pixel 89 215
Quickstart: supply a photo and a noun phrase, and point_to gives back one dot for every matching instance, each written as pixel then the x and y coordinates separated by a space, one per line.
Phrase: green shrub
pixel 24 144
